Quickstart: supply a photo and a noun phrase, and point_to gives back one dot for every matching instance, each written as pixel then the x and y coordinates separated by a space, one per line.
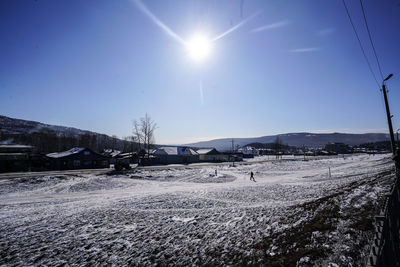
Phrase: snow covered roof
pixel 150 151
pixel 111 152
pixel 15 146
pixel 13 156
pixel 73 150
pixel 175 150
pixel 127 155
pixel 191 152
pixel 171 150
pixel 204 151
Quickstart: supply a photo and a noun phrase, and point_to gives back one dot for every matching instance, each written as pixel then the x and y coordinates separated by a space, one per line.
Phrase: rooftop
pixel 73 150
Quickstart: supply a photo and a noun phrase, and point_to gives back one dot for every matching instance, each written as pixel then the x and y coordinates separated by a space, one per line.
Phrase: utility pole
pixel 389 117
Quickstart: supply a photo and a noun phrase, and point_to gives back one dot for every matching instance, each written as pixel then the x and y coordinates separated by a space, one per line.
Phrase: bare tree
pixel 143 132
pixel 126 144
pixel 137 135
pixel 134 145
pixel 114 142
pixel 277 146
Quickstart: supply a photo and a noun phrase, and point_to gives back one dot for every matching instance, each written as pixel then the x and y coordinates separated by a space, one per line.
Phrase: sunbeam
pixel 158 22
pixel 198 46
pixel 236 26
pixel 201 92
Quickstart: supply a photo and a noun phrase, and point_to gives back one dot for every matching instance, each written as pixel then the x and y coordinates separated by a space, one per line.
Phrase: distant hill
pixel 17 126
pixel 51 138
pixel 297 139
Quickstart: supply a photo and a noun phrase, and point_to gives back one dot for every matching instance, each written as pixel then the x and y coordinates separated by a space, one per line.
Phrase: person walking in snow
pixel 252 177
pixel 216 174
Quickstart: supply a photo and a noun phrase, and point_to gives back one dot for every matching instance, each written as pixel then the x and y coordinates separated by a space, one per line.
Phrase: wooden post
pixel 389 117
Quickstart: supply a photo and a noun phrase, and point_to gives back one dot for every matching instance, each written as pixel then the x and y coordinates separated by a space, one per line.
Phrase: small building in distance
pixel 337 148
pixel 77 158
pixel 128 157
pixel 266 151
pixel 111 154
pixel 14 158
pixel 234 156
pixel 249 152
pixel 175 155
pixel 211 155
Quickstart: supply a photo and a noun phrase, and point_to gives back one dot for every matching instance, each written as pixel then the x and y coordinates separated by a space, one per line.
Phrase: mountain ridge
pixel 17 126
pixel 296 139
pixel 54 138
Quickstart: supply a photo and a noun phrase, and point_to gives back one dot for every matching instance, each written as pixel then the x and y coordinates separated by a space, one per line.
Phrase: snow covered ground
pixel 295 214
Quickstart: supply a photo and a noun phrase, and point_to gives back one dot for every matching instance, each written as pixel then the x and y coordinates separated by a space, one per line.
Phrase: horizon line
pixel 206 139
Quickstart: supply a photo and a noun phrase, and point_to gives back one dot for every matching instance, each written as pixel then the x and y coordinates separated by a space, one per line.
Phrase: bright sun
pixel 198 47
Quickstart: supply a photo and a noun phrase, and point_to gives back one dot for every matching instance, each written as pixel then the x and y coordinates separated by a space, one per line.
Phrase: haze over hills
pixel 297 139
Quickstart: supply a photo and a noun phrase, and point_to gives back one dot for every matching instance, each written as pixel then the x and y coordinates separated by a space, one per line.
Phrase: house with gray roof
pixel 175 155
pixel 211 155
pixel 77 158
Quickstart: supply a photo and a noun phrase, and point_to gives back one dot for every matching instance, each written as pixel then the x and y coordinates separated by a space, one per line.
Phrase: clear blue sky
pixel 294 66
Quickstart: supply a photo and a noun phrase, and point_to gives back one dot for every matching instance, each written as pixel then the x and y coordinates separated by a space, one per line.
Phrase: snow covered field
pixel 294 214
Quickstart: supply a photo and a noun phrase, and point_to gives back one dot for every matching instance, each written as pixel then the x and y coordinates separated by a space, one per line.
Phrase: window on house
pixel 77 163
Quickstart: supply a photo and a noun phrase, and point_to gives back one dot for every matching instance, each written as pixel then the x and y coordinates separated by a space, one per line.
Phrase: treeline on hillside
pixel 47 141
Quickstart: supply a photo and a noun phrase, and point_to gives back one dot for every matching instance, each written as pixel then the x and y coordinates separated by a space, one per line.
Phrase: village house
pixel 175 155
pixel 337 148
pixel 234 156
pixel 111 154
pixel 249 152
pixel 15 158
pixel 211 155
pixel 77 158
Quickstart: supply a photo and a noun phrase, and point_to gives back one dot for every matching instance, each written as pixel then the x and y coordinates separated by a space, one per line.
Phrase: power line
pixel 370 39
pixel 359 42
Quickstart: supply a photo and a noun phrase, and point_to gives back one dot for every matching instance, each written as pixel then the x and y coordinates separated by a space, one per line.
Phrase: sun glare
pixel 199 47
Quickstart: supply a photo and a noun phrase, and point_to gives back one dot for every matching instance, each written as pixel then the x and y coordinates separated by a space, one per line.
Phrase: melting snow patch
pixel 185 220
pixel 303 260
